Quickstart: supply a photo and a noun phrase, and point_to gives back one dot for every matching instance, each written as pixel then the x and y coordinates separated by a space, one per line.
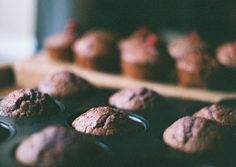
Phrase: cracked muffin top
pixel 63 84
pixel 105 121
pixel 27 103
pixel 194 135
pixel 137 99
pixel 222 113
pixel 57 146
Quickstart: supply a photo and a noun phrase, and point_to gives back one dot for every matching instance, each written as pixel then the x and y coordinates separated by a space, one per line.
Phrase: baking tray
pixel 142 149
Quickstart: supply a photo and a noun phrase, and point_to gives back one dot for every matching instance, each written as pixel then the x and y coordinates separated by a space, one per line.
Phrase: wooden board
pixel 30 72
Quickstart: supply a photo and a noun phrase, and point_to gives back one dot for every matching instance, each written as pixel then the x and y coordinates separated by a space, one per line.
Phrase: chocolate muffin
pixel 27 103
pixel 185 45
pixel 59 46
pixel 198 69
pixel 226 55
pixel 64 84
pixel 138 100
pixel 223 113
pixel 142 56
pixel 195 135
pixel 105 121
pixel 97 50
pixel 56 146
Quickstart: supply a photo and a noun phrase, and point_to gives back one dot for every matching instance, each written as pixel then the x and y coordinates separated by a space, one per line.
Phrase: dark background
pixel 214 19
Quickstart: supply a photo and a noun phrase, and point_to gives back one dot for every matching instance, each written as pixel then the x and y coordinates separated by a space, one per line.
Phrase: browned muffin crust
pixel 194 135
pixel 97 50
pixel 59 46
pixel 57 146
pixel 137 100
pixel 223 114
pixel 105 121
pixel 141 56
pixel 27 103
pixel 226 54
pixel 64 84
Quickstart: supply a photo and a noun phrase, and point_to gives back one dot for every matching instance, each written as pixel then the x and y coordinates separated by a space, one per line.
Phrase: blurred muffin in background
pixel 64 84
pixel 97 50
pixel 59 46
pixel 195 67
pixel 143 57
pixel 226 56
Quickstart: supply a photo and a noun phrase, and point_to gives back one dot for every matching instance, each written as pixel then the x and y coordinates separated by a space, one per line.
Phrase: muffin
pixel 195 135
pixel 7 76
pixel 223 113
pixel 59 46
pixel 105 121
pixel 198 70
pixel 27 103
pixel 141 100
pixel 195 67
pixel 226 56
pixel 64 84
pixel 182 46
pixel 56 146
pixel 97 50
pixel 142 56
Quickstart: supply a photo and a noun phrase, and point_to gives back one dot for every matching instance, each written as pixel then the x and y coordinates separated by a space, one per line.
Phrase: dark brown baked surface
pixel 222 113
pixel 194 135
pixel 56 146
pixel 64 84
pixel 137 99
pixel 105 121
pixel 97 50
pixel 27 103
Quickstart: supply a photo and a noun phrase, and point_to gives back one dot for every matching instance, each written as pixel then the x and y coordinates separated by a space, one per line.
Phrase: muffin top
pixel 194 135
pixel 105 121
pixel 222 113
pixel 57 146
pixel 140 47
pixel 226 54
pixel 181 47
pixel 196 62
pixel 27 103
pixel 137 99
pixel 97 44
pixel 63 84
pixel 63 40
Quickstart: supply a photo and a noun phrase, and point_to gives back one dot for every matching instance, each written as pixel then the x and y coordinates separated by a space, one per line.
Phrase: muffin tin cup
pixel 139 149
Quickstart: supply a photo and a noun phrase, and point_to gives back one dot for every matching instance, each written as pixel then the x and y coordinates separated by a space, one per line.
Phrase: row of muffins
pixel 143 55
pixel 63 143
pixel 201 133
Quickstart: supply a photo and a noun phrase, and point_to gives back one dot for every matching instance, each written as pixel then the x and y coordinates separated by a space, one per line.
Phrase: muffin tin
pixel 144 148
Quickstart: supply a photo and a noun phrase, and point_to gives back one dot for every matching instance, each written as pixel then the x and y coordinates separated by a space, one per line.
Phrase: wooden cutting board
pixel 30 72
